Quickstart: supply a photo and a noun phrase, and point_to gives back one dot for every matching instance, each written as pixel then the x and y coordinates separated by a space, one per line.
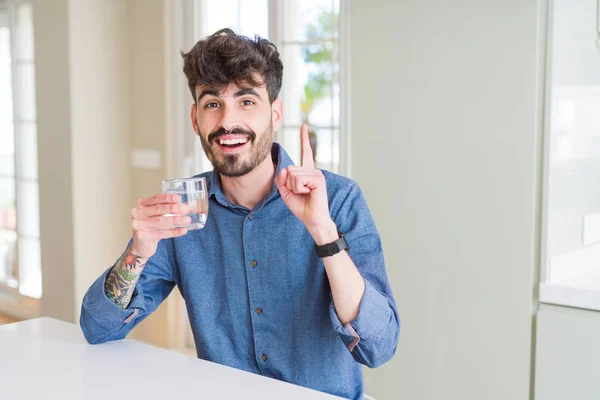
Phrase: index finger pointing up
pixel 307 154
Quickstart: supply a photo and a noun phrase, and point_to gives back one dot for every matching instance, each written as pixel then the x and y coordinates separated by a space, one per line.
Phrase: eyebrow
pixel 243 92
pixel 239 93
pixel 209 92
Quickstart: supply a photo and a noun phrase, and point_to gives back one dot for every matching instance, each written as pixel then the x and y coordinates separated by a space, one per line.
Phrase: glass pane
pixel 30 268
pixel 8 258
pixel 248 18
pixel 327 149
pixel 254 18
pixel 289 138
pixel 28 166
pixel 7 150
pixel 325 144
pixel 311 20
pixel 7 144
pixel 25 92
pixel 335 79
pixel 307 88
pixel 24 32
pixel 218 15
pixel 8 205
pixel 6 107
pixel 29 209
pixel 8 235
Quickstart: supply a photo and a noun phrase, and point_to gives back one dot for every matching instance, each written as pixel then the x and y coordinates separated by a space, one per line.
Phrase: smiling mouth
pixel 228 142
pixel 232 142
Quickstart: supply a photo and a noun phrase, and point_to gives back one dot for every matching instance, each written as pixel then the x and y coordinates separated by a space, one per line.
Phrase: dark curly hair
pixel 226 57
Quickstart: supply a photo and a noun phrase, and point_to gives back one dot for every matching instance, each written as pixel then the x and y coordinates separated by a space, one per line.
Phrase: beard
pixel 236 165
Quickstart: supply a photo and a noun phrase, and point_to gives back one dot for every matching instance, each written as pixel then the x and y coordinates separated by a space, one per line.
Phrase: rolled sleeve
pixel 100 315
pixel 373 335
pixel 102 320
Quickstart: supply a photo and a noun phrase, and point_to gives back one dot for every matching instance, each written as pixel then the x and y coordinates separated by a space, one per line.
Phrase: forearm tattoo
pixel 121 280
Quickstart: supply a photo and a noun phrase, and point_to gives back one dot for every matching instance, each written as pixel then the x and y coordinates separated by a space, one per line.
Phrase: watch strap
pixel 330 249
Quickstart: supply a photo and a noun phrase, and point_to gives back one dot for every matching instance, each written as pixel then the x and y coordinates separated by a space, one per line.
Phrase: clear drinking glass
pixel 194 194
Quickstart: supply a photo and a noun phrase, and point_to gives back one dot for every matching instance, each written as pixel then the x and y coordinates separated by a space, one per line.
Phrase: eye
pixel 211 104
pixel 248 102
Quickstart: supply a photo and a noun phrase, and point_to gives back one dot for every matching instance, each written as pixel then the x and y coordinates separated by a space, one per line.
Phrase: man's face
pixel 235 126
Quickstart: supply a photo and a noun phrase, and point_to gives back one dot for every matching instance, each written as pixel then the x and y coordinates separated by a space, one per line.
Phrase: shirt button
pixel 258 311
pixel 253 263
pixel 251 216
pixel 264 357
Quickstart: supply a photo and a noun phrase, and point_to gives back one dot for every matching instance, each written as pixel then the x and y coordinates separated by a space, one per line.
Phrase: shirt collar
pixel 278 155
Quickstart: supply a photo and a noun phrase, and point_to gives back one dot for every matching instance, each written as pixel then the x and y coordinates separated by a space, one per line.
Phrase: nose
pixel 229 119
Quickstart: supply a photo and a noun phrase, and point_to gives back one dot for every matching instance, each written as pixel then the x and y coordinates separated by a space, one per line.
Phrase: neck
pixel 251 188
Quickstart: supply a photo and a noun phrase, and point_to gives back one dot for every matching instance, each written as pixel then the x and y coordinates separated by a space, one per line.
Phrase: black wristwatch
pixel 330 249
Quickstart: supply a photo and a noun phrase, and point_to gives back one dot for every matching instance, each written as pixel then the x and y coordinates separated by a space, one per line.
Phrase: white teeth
pixel 233 141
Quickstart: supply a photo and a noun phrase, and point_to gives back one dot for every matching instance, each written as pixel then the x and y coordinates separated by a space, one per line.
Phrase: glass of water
pixel 193 194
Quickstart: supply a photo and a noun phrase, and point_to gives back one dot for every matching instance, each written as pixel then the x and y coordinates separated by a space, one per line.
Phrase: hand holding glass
pixel 194 195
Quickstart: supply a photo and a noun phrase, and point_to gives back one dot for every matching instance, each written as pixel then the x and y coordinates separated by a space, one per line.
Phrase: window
pixel 308 40
pixel 20 261
pixel 307 34
pixel 571 255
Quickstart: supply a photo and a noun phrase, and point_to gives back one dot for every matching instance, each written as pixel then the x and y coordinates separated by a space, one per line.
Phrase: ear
pixel 194 120
pixel 277 114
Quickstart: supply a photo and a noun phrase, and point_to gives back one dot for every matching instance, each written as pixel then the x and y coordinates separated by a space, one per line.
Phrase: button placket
pixel 254 293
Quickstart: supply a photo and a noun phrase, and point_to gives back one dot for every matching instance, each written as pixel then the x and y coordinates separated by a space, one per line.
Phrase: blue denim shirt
pixel 257 294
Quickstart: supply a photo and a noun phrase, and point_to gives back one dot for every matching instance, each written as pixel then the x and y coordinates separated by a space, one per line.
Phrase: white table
pixel 44 358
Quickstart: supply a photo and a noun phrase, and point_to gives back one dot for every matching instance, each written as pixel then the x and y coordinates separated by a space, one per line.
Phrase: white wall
pixel 445 145
pixel 101 138
pixel 83 103
pixel 54 158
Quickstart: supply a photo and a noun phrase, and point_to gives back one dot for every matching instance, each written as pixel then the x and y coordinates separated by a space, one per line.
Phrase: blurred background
pixel 472 127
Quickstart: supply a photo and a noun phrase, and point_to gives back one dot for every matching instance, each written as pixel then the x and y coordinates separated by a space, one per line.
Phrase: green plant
pixel 320 56
pixel 9 204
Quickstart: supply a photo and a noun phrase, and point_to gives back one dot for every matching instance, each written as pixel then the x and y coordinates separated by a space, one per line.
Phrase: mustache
pixel 235 131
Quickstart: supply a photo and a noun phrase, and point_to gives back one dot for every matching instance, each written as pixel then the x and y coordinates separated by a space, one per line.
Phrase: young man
pixel 287 278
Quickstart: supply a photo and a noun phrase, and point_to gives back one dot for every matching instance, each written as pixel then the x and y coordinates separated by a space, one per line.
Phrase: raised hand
pixel 304 192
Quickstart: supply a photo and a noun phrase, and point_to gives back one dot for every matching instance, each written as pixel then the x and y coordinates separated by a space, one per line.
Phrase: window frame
pixel 277 16
pixel 12 302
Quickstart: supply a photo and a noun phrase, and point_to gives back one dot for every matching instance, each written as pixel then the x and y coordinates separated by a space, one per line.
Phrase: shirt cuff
pixel 370 323
pixel 105 312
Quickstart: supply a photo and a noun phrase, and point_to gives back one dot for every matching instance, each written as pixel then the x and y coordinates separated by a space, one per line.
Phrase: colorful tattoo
pixel 121 280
